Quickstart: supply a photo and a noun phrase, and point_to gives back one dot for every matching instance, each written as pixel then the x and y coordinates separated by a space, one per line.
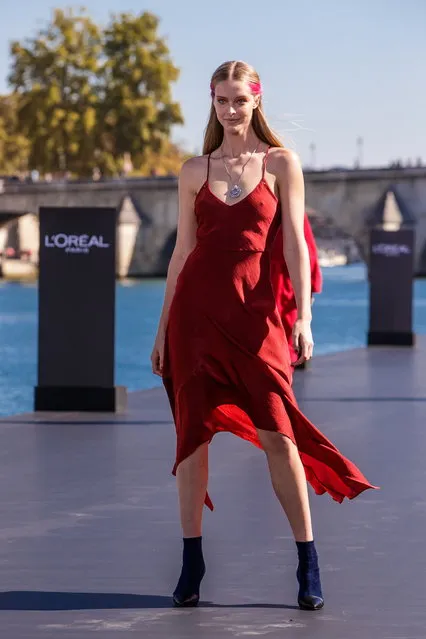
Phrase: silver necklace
pixel 236 190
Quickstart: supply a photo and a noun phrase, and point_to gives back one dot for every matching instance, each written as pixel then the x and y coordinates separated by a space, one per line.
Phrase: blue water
pixel 340 323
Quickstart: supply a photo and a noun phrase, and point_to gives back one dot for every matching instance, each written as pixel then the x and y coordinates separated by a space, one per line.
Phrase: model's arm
pixel 316 275
pixel 185 243
pixel 296 254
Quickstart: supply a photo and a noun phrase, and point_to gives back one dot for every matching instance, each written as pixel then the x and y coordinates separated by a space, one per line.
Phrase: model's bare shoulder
pixel 193 172
pixel 285 162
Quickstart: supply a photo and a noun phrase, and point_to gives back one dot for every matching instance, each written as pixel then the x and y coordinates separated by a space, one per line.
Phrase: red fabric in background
pixel 281 283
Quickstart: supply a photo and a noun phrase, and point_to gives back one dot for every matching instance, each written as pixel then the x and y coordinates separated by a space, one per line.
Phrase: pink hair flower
pixel 256 88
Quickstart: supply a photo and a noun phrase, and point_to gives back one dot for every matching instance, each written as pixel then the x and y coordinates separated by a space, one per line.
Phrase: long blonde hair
pixel 243 72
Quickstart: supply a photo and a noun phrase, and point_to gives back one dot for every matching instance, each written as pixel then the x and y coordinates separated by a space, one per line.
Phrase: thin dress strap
pixel 264 162
pixel 208 168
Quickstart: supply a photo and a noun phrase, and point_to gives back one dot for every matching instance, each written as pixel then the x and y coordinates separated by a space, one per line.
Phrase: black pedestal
pixel 83 398
pixel 390 338
pixel 76 350
pixel 391 288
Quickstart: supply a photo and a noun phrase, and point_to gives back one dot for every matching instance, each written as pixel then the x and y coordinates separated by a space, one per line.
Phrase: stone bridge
pixel 148 210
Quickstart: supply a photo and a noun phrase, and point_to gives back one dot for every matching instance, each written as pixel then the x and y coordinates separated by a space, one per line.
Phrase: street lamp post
pixel 360 148
pixel 313 150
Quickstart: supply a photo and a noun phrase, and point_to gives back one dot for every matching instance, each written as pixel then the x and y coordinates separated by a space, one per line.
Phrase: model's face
pixel 234 104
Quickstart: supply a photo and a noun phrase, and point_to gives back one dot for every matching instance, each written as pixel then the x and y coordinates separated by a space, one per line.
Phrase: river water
pixel 339 323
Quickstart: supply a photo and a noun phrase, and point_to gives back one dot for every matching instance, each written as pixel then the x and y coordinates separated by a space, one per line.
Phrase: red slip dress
pixel 226 360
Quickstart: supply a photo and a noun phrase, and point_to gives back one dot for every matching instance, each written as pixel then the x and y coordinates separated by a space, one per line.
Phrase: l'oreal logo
pixel 391 250
pixel 74 243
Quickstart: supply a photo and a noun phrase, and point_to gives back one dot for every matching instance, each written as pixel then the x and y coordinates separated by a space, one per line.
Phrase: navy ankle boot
pixel 187 591
pixel 310 593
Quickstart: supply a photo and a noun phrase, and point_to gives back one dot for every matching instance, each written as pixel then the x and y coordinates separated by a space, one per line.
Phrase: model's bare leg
pixel 192 478
pixel 289 482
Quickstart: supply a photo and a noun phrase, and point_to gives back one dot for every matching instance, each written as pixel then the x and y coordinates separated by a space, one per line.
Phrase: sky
pixel 333 71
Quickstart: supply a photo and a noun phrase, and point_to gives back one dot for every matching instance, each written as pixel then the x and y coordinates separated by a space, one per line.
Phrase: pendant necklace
pixel 236 190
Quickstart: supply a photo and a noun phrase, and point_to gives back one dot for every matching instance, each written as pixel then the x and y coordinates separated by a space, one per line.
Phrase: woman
pixel 283 289
pixel 221 348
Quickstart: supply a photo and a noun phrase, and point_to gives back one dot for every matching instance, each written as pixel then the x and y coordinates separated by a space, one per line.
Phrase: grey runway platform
pixel 90 540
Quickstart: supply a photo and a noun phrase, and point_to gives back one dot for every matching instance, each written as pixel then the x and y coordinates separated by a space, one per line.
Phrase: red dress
pixel 226 360
pixel 282 286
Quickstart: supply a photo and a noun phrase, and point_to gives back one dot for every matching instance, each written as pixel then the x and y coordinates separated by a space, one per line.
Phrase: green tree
pixel 168 161
pixel 55 75
pixel 90 97
pixel 137 107
pixel 14 147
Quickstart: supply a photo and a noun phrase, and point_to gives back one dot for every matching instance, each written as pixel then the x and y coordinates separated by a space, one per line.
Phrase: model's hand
pixel 302 340
pixel 157 355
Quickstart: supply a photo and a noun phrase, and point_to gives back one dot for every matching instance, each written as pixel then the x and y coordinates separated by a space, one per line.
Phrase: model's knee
pixel 276 444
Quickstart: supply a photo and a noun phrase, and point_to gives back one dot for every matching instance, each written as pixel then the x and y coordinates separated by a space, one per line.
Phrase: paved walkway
pixel 90 540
